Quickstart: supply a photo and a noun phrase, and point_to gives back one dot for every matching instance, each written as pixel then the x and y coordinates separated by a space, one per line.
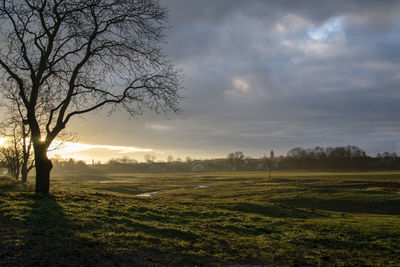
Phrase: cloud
pixel 239 87
pixel 326 71
pixel 290 23
pixel 158 127
pixel 332 27
pixel 276 73
pixel 81 150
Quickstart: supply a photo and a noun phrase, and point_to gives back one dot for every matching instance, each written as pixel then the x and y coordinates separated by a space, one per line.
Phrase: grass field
pixel 292 218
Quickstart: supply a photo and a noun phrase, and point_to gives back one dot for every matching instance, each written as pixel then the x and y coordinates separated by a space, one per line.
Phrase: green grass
pixel 304 218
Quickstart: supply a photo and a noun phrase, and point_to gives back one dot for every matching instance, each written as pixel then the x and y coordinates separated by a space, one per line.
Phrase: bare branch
pixel 66 57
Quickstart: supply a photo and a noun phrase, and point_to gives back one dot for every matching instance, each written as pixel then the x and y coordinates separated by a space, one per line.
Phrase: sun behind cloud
pixel 89 152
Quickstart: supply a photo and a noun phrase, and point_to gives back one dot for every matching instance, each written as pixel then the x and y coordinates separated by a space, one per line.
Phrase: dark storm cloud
pixel 277 74
pixel 288 72
pixel 375 13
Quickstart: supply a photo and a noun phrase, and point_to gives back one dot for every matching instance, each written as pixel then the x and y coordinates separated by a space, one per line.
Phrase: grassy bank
pixel 204 219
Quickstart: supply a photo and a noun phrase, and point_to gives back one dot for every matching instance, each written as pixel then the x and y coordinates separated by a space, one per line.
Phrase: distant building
pixel 272 154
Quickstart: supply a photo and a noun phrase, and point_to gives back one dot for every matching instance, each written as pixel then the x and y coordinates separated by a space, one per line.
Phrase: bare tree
pixel 11 153
pixel 64 58
pixel 18 135
pixel 170 159
pixel 236 159
pixel 149 158
pixel 10 161
pixel 19 150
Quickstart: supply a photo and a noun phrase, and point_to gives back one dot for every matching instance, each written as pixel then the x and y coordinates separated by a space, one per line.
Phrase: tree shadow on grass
pixel 11 185
pixel 46 237
pixel 51 241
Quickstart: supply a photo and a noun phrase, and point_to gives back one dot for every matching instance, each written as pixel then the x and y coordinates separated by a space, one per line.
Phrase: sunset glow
pixel 88 152
pixel 70 147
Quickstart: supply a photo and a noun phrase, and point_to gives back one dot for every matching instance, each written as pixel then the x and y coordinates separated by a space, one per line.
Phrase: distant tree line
pixel 342 157
pixel 336 158
pixel 69 165
pixel 318 158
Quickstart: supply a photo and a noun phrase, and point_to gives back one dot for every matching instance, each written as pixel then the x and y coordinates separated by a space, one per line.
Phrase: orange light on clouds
pixel 74 150
pixel 77 150
pixel 69 147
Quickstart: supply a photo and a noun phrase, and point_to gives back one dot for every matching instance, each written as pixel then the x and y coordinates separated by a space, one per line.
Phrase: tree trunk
pixel 16 175
pixel 43 168
pixel 25 169
pixel 24 172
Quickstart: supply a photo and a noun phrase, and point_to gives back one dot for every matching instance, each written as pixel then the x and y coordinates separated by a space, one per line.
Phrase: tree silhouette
pixel 236 159
pixel 17 134
pixel 11 155
pixel 64 58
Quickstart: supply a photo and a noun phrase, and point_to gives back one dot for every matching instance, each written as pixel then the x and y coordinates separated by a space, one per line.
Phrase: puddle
pixel 149 194
pixel 201 186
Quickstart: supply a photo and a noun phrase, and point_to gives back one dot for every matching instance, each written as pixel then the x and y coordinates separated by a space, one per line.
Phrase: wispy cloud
pixel 87 152
pixel 70 147
pixel 81 150
pixel 158 127
pixel 58 147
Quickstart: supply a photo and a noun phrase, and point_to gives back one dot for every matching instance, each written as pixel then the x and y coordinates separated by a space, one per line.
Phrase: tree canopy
pixel 64 58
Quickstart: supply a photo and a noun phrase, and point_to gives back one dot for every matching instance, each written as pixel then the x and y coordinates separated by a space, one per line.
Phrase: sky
pixel 262 75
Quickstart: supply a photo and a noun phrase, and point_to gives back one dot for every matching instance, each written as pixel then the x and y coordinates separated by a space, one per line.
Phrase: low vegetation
pixel 345 158
pixel 240 218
